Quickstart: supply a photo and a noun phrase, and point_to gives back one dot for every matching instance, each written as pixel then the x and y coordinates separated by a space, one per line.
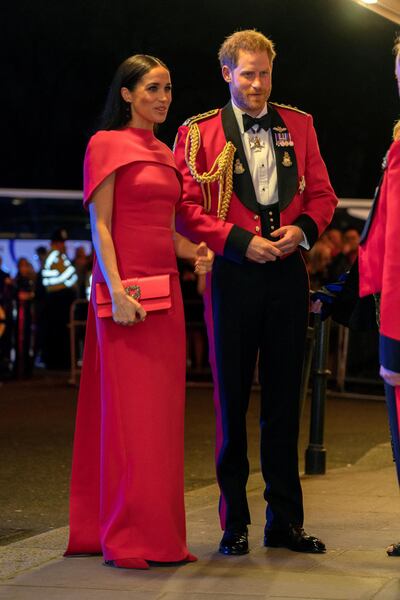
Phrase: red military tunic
pixel 306 197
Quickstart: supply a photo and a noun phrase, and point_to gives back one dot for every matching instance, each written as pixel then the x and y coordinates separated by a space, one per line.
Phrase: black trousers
pixel 259 310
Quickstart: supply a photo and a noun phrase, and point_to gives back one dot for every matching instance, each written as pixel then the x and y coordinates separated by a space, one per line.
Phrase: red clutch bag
pixel 153 293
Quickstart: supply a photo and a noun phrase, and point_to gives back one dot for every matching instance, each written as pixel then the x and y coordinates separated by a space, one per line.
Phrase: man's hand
pixel 261 250
pixel 290 236
pixel 390 377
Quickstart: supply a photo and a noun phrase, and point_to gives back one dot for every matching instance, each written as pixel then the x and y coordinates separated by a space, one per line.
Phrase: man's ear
pixel 226 73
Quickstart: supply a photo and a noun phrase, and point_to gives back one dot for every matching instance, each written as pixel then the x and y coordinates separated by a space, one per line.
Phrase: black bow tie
pixel 263 122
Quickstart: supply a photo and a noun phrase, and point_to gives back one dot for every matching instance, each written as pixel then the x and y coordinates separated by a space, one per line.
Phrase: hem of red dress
pixel 83 552
pixel 188 557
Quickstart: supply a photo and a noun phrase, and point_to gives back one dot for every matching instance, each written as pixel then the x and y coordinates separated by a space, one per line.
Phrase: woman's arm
pixel 126 310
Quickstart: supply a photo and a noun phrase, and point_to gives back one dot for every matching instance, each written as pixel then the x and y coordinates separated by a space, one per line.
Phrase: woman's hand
pixel 126 310
pixel 204 259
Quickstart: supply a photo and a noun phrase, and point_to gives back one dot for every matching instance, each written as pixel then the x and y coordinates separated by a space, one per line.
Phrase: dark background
pixel 334 61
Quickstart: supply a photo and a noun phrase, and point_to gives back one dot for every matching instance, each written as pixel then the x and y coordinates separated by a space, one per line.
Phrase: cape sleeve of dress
pixel 109 150
pixel 103 156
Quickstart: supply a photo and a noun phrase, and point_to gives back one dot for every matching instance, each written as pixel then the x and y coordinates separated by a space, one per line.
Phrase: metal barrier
pixel 315 457
pixel 308 356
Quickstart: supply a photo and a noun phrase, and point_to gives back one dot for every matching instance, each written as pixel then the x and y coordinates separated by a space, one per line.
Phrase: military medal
pixel 282 137
pixel 256 144
pixel 239 168
pixel 287 161
pixel 302 184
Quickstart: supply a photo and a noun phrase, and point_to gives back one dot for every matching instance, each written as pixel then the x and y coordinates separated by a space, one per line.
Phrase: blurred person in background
pixel 351 241
pixel 318 260
pixel 59 279
pixel 333 237
pixel 24 293
pixel 82 266
pixel 40 305
pixel 5 280
pixel 5 320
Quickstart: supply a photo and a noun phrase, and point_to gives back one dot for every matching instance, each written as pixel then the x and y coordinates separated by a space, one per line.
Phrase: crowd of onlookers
pixel 332 255
pixel 25 305
pixel 27 282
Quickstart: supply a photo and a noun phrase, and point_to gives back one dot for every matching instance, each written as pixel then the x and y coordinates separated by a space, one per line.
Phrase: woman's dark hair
pixel 116 112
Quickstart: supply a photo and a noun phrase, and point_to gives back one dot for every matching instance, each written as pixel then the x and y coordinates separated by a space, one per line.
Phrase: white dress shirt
pixel 262 164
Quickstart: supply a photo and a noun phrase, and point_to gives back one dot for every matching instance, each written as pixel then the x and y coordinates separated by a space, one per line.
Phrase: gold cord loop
pixel 221 171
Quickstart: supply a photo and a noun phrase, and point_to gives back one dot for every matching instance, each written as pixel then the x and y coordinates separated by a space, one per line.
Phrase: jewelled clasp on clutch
pixel 133 291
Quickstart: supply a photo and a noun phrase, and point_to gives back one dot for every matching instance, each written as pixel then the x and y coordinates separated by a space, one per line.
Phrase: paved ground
pixel 354 509
pixel 36 432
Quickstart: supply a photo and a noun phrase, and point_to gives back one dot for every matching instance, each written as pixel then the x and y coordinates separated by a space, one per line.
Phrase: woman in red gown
pixel 127 499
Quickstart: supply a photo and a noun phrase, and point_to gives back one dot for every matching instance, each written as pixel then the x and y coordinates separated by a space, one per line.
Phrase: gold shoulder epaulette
pixel 289 107
pixel 201 117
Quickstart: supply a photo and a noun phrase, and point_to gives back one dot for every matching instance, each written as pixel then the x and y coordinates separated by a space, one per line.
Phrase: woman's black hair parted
pixel 116 112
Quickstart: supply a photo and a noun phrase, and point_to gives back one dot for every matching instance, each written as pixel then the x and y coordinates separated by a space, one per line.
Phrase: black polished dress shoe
pixel 234 541
pixel 294 538
pixel 393 549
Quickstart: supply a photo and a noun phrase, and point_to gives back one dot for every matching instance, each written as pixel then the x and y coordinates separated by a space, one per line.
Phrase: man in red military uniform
pixel 379 267
pixel 255 188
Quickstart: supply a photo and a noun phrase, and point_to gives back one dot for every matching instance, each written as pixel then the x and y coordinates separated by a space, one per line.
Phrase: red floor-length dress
pixel 127 476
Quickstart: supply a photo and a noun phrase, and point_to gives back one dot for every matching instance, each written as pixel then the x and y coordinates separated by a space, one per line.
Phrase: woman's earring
pixel 128 111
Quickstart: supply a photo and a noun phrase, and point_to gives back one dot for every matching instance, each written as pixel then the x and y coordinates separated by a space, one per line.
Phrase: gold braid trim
pixel 221 171
pixel 201 117
pixel 288 106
